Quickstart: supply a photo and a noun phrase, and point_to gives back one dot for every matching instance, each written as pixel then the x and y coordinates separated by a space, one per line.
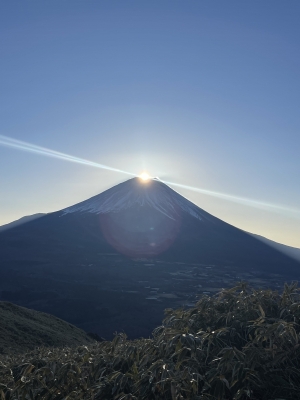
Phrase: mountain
pixel 20 221
pixel 145 219
pixel 117 260
pixel 139 218
pixel 23 329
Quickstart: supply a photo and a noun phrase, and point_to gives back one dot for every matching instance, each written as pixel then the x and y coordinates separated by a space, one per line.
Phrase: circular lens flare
pixel 144 176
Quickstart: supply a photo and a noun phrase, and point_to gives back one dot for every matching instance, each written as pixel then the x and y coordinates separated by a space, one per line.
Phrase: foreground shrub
pixel 239 344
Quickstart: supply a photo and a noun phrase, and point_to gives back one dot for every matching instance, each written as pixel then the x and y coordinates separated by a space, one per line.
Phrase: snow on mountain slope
pixel 136 192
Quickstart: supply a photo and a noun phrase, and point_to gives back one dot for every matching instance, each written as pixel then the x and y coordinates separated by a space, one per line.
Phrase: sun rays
pixel 144 176
pixel 25 146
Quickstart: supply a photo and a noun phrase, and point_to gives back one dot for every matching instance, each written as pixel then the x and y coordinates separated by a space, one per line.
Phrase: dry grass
pixel 22 329
pixel 239 344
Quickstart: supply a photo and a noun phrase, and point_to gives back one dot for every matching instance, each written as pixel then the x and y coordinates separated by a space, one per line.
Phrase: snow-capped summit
pixel 137 192
pixel 139 217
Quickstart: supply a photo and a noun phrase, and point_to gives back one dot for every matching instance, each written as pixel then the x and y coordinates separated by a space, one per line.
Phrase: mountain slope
pixel 292 252
pixel 22 329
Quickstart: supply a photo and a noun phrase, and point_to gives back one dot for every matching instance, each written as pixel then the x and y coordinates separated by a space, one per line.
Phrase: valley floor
pixel 113 293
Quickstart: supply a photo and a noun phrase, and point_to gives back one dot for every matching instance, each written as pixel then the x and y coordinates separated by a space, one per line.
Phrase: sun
pixel 144 176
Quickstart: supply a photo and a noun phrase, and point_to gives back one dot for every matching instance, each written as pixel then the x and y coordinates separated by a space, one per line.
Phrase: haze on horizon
pixel 200 94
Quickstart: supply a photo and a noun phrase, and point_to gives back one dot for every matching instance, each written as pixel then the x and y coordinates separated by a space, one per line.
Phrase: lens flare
pixel 141 232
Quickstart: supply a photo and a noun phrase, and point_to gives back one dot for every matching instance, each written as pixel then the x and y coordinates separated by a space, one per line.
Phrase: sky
pixel 203 94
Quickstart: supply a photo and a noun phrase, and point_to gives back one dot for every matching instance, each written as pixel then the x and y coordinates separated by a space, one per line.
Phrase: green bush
pixel 239 344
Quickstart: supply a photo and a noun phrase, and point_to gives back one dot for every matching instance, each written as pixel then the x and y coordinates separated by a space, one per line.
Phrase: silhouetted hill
pixel 20 221
pixel 22 329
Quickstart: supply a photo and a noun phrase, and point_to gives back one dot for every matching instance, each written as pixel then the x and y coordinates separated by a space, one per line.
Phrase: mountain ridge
pixel 20 221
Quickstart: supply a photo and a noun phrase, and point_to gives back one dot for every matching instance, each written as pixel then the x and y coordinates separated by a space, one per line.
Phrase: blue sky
pixel 200 93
